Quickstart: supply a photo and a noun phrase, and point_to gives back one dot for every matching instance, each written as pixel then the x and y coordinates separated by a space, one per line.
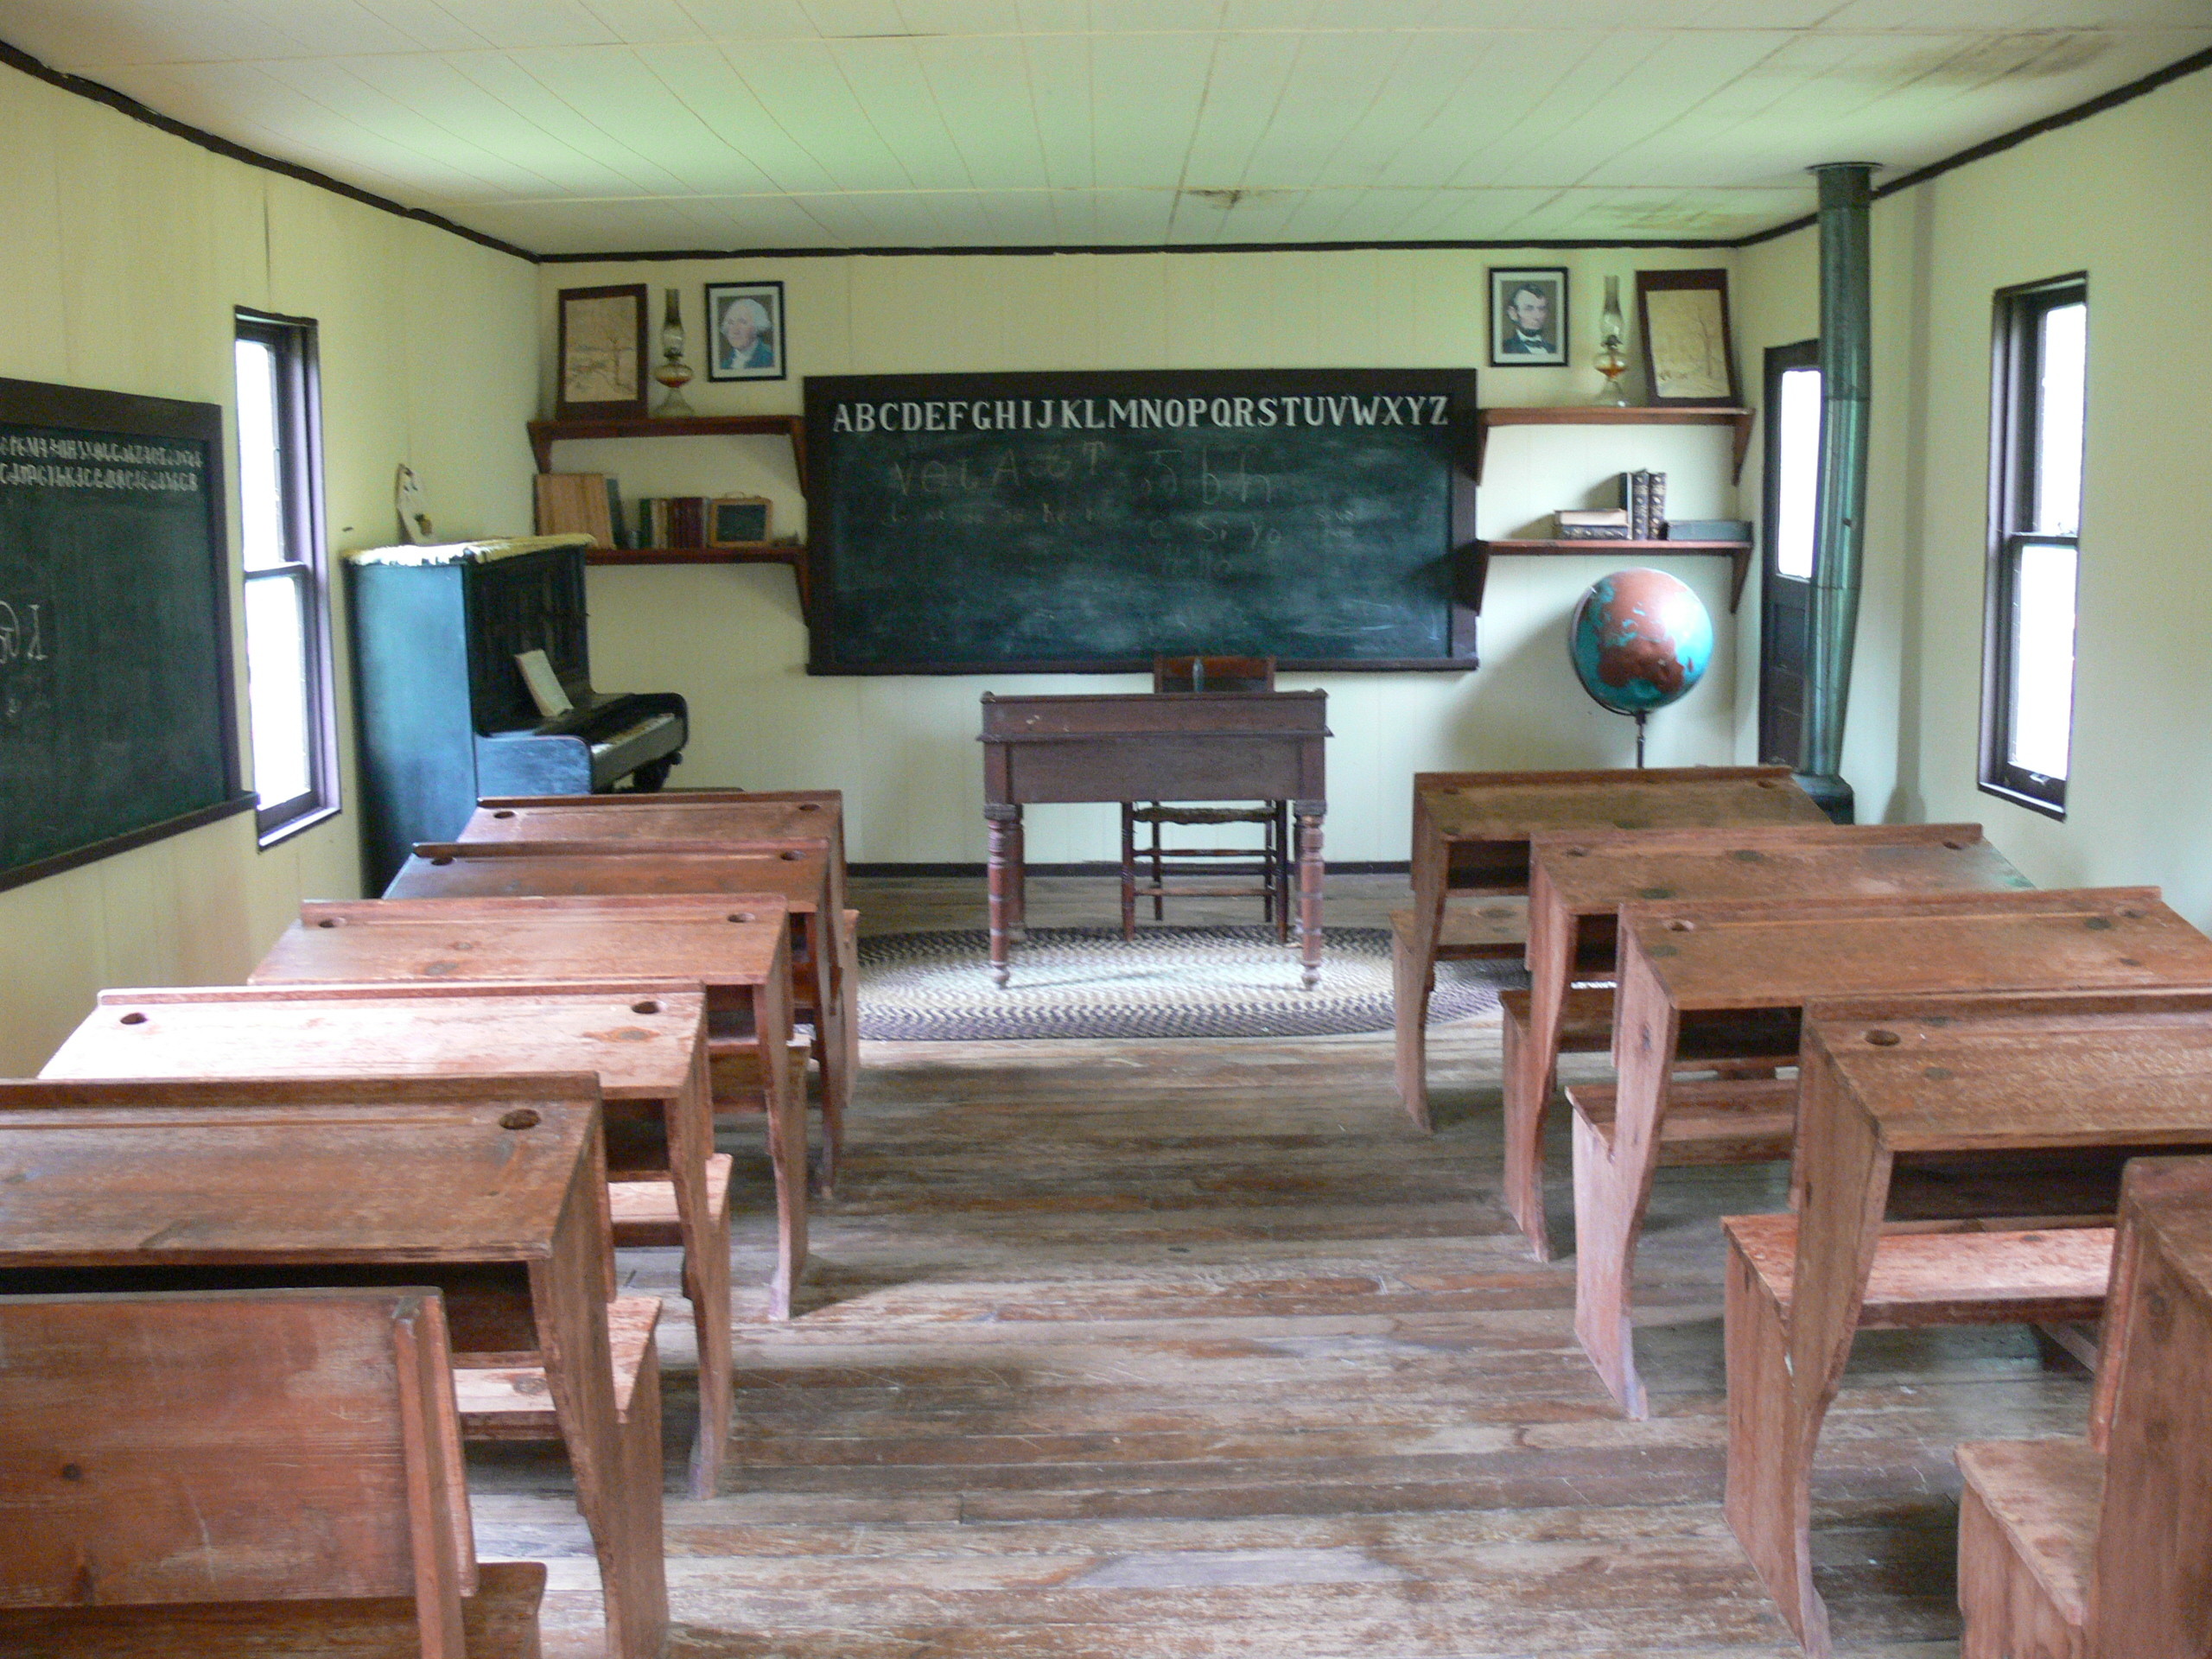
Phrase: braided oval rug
pixel 1168 982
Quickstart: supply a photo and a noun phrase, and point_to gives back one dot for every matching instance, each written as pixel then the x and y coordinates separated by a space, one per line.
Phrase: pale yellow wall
pixel 2125 196
pixel 904 749
pixel 125 251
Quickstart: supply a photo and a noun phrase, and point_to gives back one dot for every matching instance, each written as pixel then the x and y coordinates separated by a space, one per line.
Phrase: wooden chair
pixel 2101 1547
pixel 271 1471
pixel 1264 870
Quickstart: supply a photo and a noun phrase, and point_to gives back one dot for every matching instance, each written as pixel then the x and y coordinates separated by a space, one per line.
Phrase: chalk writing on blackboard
pixel 23 631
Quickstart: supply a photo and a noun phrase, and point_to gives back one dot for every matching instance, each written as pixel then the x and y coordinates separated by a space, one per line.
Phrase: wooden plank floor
pixel 1112 1351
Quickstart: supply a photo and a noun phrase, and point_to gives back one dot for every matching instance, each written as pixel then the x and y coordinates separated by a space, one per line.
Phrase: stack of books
pixel 581 501
pixel 1592 523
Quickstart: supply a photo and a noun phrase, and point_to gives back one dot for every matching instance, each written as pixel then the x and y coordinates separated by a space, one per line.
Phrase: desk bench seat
pixel 498 1622
pixel 1725 1120
pixel 644 1211
pixel 503 1402
pixel 2027 1545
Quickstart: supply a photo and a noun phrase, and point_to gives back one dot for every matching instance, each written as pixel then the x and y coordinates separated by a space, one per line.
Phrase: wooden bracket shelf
pixel 544 435
pixel 750 553
pixel 1474 560
pixel 1599 414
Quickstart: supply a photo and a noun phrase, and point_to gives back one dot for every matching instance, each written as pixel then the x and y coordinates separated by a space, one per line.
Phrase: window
pixel 2038 419
pixel 1793 476
pixel 286 614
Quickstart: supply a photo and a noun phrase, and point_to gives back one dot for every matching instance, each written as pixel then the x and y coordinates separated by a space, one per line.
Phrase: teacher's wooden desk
pixel 1470 836
pixel 492 1191
pixel 1577 882
pixel 1160 746
pixel 1687 959
pixel 647 1052
pixel 1889 1082
pixel 799 871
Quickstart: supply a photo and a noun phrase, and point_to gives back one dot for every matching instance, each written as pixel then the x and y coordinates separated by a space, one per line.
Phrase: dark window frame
pixel 1779 360
pixel 292 343
pixel 2014 413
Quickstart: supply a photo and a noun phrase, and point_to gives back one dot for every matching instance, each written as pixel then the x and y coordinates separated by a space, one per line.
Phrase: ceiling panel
pixel 577 124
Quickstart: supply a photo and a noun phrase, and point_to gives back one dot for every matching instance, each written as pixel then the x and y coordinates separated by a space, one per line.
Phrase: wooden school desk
pixel 739 956
pixel 493 1192
pixel 646 1049
pixel 286 1463
pixel 1168 745
pixel 800 871
pixel 1470 836
pixel 1578 880
pixel 1679 959
pixel 722 820
pixel 1892 1079
pixel 2054 1554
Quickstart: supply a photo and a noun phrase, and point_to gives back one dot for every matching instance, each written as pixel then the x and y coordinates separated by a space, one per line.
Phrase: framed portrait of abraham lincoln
pixel 1527 317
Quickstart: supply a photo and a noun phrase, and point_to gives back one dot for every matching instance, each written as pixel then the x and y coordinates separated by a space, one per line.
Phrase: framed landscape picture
pixel 1527 317
pixel 602 353
pixel 1684 318
pixel 745 331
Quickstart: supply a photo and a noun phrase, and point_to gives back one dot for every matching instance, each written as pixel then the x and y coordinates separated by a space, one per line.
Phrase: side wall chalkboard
pixel 1087 522
pixel 117 719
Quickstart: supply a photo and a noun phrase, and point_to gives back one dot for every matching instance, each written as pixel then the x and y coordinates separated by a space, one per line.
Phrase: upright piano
pixel 444 713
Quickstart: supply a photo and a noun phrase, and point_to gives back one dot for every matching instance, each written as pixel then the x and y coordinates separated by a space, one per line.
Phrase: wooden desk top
pixel 491 868
pixel 1153 714
pixel 1594 875
pixel 2171 1200
pixel 492 939
pixel 1514 805
pixel 1787 953
pixel 652 818
pixel 641 1046
pixel 2049 1070
pixel 215 1185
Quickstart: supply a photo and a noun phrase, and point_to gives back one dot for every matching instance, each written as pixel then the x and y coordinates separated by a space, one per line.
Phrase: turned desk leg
pixel 1003 823
pixel 1309 891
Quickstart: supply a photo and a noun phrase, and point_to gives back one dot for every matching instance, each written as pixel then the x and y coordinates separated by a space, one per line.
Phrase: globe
pixel 1640 639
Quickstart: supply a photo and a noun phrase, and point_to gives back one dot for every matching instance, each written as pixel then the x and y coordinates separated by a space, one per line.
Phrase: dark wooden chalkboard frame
pixel 31 402
pixel 1457 384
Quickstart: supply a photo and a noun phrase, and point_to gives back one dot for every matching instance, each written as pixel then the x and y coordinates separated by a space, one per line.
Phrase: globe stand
pixel 1641 716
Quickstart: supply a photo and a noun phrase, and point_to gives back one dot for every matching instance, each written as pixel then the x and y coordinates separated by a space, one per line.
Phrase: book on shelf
pixel 1708 530
pixel 672 521
pixel 1643 495
pixel 1592 524
pixel 575 501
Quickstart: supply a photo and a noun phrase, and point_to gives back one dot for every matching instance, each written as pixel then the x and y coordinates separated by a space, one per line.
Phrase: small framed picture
pixel 745 331
pixel 1687 340
pixel 737 521
pixel 1527 317
pixel 602 353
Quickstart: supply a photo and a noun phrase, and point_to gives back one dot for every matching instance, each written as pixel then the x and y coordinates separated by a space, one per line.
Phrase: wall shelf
pixel 1474 559
pixel 1599 414
pixel 544 435
pixel 751 553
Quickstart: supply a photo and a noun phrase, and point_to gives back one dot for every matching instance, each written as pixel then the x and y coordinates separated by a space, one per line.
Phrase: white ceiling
pixel 576 126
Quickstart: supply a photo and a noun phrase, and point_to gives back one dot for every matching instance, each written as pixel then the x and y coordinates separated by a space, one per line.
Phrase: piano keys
pixel 444 713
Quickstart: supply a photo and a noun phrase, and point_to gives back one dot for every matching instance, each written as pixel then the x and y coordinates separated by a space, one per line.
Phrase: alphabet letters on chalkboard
pixel 1087 522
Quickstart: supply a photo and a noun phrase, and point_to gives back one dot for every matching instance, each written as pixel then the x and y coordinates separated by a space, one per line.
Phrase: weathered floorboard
pixel 1199 1350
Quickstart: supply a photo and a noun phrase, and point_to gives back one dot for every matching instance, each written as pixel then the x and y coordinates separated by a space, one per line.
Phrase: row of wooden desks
pixel 656 952
pixel 1945 1020
pixel 494 1190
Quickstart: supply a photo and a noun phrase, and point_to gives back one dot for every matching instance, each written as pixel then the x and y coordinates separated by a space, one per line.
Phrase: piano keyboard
pixel 630 732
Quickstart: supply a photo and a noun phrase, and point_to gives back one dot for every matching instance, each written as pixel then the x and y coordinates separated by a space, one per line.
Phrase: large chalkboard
pixel 117 722
pixel 1087 522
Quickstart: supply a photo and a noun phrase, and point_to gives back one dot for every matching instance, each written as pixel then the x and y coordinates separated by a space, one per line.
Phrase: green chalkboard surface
pixel 116 713
pixel 1089 522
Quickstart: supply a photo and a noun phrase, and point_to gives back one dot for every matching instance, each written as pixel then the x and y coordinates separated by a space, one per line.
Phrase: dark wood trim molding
pixel 16 58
